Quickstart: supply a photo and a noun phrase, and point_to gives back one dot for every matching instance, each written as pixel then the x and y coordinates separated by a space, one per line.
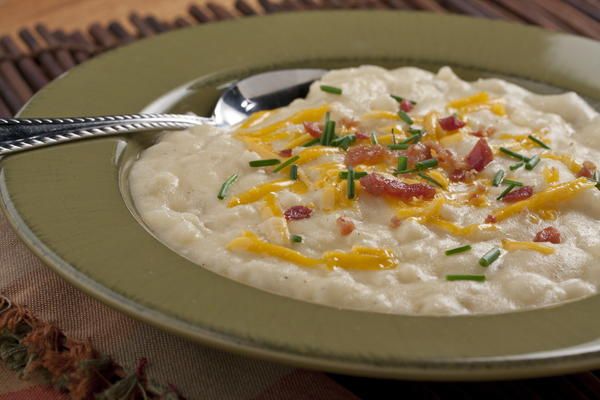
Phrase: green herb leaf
pixel 513 154
pixel 264 163
pixel 398 146
pixel 532 162
pixel 297 239
pixel 538 142
pixel 294 172
pixel 286 163
pixel 489 257
pixel 225 187
pixel 331 89
pixel 506 191
pixel 405 117
pixel 351 185
pixel 458 250
pixel 357 174
pixel 498 178
pixel 402 163
pixel 511 182
pixel 475 278
pixel 516 166
pixel 426 164
pixel 312 142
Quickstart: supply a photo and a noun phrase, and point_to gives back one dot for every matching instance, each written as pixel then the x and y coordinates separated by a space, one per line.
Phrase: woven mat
pixel 38 55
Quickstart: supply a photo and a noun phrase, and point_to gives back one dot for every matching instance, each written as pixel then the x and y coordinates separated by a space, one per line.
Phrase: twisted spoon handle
pixel 19 134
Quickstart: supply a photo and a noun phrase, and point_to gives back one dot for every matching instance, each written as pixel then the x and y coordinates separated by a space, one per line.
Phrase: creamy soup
pixel 398 191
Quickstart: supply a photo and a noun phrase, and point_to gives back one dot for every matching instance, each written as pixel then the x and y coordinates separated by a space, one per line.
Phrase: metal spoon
pixel 263 91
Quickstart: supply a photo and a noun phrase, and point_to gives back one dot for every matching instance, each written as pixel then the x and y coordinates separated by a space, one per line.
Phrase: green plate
pixel 70 205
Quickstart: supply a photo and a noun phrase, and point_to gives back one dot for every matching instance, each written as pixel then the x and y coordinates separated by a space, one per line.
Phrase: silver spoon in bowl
pixel 258 92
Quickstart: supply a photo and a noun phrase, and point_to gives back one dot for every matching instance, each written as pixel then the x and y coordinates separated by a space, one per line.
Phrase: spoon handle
pixel 19 134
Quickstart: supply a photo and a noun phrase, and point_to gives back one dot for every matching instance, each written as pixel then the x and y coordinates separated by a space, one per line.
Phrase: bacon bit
pixel 549 234
pixel 487 132
pixel 368 154
pixel 379 185
pixel 395 222
pixel 349 123
pixel 345 225
pixel 462 175
pixel 286 153
pixel 446 158
pixel 587 170
pixel 417 152
pixel 406 105
pixel 522 193
pixel 480 156
pixel 490 219
pixel 451 123
pixel 297 212
pixel 361 135
pixel 314 129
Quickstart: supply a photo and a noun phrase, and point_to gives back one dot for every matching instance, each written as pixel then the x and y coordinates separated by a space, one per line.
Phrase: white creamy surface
pixel 175 183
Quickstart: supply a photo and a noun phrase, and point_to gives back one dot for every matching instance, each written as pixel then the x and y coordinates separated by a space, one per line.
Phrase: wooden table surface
pixel 79 14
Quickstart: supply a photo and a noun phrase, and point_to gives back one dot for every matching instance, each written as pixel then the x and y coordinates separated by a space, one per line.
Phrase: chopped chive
pixel 516 166
pixel 264 163
pixel 511 182
pixel 498 178
pixel 225 187
pixel 286 163
pixel 475 278
pixel 398 146
pixel 412 139
pixel 331 89
pixel 394 141
pixel 374 138
pixel 402 163
pixel 405 117
pixel 532 162
pixel 351 177
pixel 430 179
pixel 458 250
pixel 312 142
pixel 538 141
pixel 596 178
pixel 513 154
pixel 294 172
pixel 297 239
pixel 357 174
pixel 506 191
pixel 400 99
pixel 426 164
pixel 328 133
pixel 343 141
pixel 406 171
pixel 326 127
pixel 489 257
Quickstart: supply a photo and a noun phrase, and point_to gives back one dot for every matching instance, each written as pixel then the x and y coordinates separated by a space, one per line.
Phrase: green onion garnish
pixel 331 89
pixel 264 163
pixel 458 250
pixel 402 163
pixel 506 191
pixel 513 154
pixel 394 141
pixel 294 172
pixel 312 142
pixel 538 141
pixel 404 117
pixel 412 139
pixel 357 174
pixel 297 239
pixel 374 138
pixel 398 146
pixel 343 141
pixel 326 127
pixel 286 163
pixel 511 182
pixel 516 166
pixel 498 178
pixel 225 186
pixel 328 132
pixel 475 278
pixel 351 182
pixel 532 162
pixel 430 163
pixel 400 99
pixel 430 179
pixel 489 257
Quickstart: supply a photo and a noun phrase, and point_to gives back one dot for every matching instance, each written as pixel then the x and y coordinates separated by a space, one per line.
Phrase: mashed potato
pixel 353 196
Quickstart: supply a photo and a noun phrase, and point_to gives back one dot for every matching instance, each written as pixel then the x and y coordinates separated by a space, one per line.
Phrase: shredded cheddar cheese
pixel 511 245
pixel 361 258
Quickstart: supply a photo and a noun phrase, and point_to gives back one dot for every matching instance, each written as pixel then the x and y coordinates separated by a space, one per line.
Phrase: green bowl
pixel 70 203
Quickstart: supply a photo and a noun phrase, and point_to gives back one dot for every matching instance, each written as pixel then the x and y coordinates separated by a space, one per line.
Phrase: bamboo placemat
pixel 40 54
